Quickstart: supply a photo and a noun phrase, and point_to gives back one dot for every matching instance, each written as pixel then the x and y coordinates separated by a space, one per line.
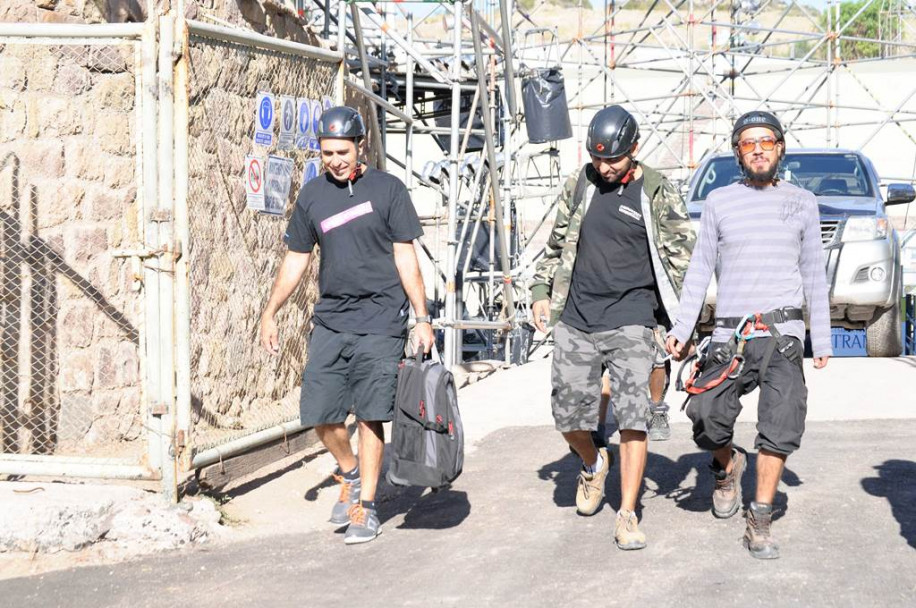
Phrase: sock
pixel 352 475
pixel 659 407
pixel 368 504
pixel 595 467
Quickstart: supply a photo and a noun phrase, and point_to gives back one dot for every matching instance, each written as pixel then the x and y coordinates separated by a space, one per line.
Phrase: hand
pixel 540 310
pixel 270 335
pixel 820 362
pixel 425 336
pixel 677 350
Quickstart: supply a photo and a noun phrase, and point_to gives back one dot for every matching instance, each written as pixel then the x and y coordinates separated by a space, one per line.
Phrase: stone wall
pixel 69 136
pixel 70 365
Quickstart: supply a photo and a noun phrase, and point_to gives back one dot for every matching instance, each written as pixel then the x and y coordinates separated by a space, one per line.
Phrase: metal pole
pixel 452 336
pixel 835 84
pixel 408 108
pixel 508 66
pixel 165 268
pixel 494 172
pixel 831 74
pixel 182 266
pixel 367 82
pixel 151 239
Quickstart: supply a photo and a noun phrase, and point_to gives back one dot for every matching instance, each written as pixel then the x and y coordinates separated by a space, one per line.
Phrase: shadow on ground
pixel 422 508
pixel 670 478
pixel 896 481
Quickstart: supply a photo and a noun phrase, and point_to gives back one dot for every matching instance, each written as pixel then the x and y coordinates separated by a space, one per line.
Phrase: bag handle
pixel 434 354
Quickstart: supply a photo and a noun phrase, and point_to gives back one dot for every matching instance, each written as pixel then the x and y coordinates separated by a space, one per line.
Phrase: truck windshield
pixel 823 174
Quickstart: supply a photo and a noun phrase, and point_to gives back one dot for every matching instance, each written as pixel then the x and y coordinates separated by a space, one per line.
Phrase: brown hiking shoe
pixel 590 486
pixel 757 537
pixel 726 498
pixel 626 533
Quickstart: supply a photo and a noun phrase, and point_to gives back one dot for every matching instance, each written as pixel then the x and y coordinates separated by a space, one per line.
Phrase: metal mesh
pixel 236 387
pixel 70 356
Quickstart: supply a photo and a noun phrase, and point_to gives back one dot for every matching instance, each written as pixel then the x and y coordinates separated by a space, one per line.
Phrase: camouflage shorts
pixel 628 353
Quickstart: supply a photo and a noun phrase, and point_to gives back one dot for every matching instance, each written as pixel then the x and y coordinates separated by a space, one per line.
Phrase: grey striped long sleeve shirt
pixel 765 247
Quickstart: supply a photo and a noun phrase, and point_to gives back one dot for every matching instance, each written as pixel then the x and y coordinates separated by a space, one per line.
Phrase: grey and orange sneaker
pixel 758 539
pixel 590 486
pixel 626 532
pixel 364 525
pixel 726 498
pixel 349 496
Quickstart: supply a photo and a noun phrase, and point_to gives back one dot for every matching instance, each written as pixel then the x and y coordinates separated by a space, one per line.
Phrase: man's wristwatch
pixel 422 319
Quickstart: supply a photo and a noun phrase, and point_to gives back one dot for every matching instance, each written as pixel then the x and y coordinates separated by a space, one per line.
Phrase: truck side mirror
pixel 898 194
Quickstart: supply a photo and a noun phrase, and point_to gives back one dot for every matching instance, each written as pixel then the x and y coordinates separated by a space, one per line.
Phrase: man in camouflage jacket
pixel 605 284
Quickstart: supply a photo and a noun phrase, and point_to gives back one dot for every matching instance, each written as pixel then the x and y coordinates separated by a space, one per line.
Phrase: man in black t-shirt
pixel 610 274
pixel 365 224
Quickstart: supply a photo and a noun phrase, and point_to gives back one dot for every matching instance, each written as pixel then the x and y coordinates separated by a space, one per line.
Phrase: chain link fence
pixel 70 307
pixel 237 388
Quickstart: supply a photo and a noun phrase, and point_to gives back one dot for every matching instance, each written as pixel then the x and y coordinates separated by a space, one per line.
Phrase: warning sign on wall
pixel 277 184
pixel 254 182
pixel 264 120
pixel 288 119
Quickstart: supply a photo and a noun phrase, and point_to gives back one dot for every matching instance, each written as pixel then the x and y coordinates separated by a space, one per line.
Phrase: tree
pixel 866 25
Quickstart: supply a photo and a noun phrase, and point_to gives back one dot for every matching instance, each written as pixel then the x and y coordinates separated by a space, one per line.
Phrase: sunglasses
pixel 767 144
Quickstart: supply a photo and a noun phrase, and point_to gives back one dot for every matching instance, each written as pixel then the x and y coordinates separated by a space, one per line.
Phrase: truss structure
pixel 686 69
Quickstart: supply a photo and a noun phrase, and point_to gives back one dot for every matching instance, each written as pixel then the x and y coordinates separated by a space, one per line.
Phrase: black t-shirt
pixel 612 281
pixel 361 290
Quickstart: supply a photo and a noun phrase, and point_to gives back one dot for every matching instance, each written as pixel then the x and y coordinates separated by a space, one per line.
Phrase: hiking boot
pixel 626 532
pixel 726 498
pixel 659 429
pixel 590 487
pixel 364 525
pixel 757 537
pixel 349 496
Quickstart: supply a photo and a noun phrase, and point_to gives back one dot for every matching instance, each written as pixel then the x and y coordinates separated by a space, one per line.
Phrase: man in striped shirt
pixel 762 237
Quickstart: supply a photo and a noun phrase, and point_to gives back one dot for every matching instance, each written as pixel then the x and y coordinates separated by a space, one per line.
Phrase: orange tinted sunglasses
pixel 767 144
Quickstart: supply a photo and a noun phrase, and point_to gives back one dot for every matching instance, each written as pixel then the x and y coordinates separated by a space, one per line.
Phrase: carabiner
pixel 736 367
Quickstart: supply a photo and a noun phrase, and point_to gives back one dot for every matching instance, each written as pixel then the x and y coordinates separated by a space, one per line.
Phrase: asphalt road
pixel 507 534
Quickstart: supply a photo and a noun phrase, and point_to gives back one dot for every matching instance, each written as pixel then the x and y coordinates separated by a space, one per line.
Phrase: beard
pixel 763 176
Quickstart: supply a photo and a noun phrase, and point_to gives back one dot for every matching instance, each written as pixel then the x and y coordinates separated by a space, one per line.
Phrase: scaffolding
pixel 685 68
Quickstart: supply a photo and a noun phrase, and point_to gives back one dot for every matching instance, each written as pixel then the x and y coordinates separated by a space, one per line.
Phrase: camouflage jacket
pixel 671 240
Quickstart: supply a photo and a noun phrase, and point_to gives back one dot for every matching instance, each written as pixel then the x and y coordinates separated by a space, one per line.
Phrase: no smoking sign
pixel 254 182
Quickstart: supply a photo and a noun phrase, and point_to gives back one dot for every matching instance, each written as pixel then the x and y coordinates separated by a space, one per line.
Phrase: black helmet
pixel 612 133
pixel 341 122
pixel 757 118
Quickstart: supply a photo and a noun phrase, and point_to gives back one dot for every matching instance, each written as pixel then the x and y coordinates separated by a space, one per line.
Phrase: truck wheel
pixel 883 337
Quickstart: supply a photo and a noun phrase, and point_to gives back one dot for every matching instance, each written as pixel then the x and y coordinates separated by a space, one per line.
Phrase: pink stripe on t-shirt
pixel 339 219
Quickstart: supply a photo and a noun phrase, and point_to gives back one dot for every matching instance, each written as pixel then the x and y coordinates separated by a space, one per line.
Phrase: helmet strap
pixel 626 179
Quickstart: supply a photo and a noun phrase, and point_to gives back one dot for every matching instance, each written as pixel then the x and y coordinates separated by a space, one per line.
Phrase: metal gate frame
pixel 143 39
pixel 184 29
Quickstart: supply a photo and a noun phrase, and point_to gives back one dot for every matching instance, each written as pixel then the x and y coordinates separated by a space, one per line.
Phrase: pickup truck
pixel 861 247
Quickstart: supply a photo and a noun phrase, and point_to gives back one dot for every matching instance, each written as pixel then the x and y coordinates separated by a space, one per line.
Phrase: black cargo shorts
pixel 349 372
pixel 781 409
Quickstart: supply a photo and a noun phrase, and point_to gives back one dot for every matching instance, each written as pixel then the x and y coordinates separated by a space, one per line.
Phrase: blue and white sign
pixel 316 117
pixel 311 171
pixel 327 103
pixel 303 123
pixel 264 120
pixel 288 120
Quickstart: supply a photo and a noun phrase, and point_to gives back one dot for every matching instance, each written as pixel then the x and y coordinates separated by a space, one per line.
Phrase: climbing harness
pixel 748 327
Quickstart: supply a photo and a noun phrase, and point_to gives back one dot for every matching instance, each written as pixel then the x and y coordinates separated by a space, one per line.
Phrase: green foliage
pixel 866 25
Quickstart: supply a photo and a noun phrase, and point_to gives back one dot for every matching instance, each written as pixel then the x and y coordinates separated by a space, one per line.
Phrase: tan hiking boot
pixel 627 534
pixel 726 498
pixel 590 487
pixel 757 537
